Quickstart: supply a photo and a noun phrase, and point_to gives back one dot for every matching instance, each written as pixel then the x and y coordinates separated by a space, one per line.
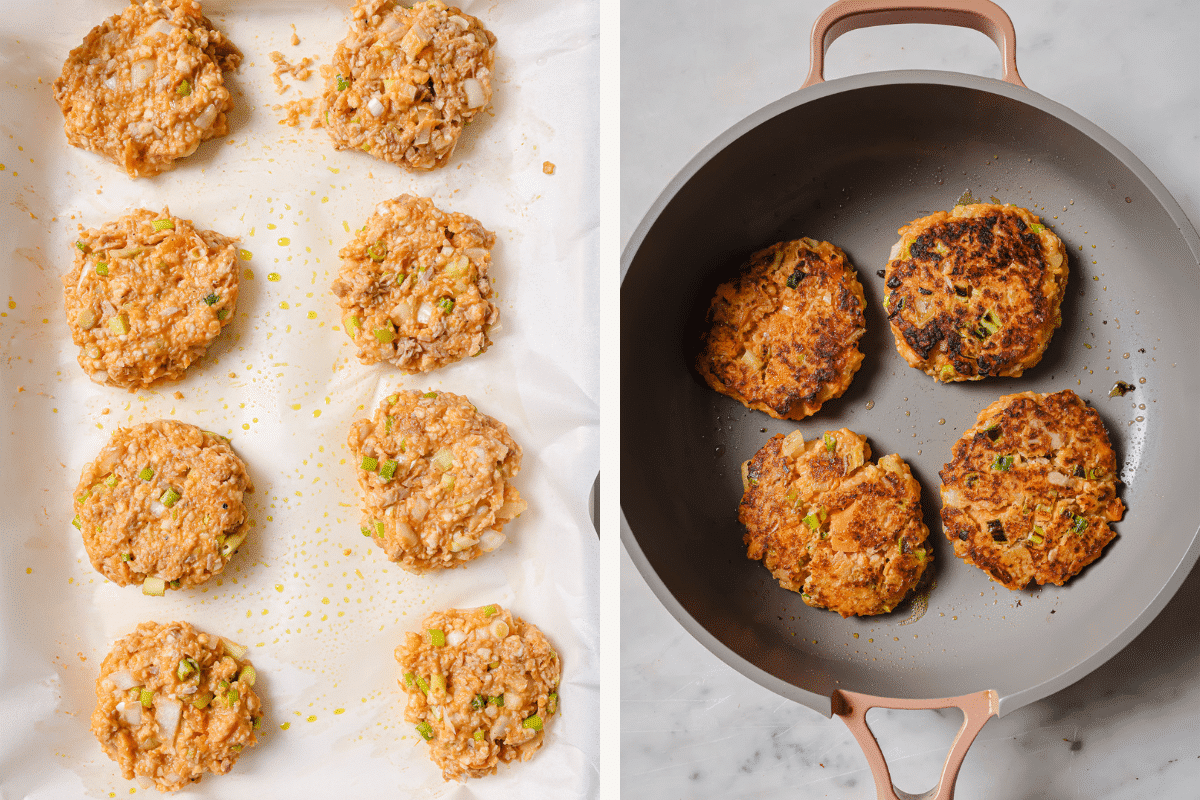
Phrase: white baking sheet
pixel 319 606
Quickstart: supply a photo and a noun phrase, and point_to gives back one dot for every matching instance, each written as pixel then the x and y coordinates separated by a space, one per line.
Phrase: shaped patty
pixel 783 337
pixel 848 535
pixel 975 292
pixel 1031 489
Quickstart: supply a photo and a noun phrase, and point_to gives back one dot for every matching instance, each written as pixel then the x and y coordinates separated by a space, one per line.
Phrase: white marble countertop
pixel 692 727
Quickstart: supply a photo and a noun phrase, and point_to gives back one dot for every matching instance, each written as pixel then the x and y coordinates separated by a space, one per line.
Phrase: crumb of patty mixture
pixel 548 167
pixel 300 71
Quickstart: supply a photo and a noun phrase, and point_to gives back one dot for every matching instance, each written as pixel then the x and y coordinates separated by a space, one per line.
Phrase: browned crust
pixel 862 551
pixel 1063 471
pixel 975 292
pixel 802 339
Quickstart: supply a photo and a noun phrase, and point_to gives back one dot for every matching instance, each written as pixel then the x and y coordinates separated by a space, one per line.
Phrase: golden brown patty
pixel 975 292
pixel 783 337
pixel 173 703
pixel 1030 489
pixel 845 533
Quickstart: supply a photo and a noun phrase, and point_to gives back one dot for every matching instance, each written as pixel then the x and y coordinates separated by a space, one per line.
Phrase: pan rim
pixel 1157 189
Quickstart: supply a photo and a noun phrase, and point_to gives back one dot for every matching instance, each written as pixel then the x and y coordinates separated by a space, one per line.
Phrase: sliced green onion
pixel 119 324
pixel 830 442
pixel 370 464
pixel 497 700
pixel 378 251
pixel 423 685
pixel 429 395
pixel 223 685
pixel 248 676
pixel 1038 529
pixel 812 522
pixel 170 497
pixel 352 326
pixel 163 225
pixel 184 88
pixel 102 269
pixel 146 696
pixel 921 555
pixel 202 700
pixel 111 480
pixel 83 248
pixel 365 531
pixel 155 587
pixel 1080 523
pixel 409 679
pixel 343 85
pixel 232 649
pixel 388 470
pixel 1036 228
pixel 437 637
pixel 222 314
pixel 443 459
pixel 387 424
pixel 552 703
pixel 76 522
pixel 174 584
pixel 128 252
pixel 146 474
pixel 212 299
pixel 237 748
pixel 446 305
pixel 379 528
pixel 256 724
pixel 231 697
pixel 489 611
pixel 1036 538
pixel 426 731
pixel 127 556
pixel 87 320
pixel 447 481
pixel 533 722
pixel 478 735
pixel 385 335
pixel 438 684
pixel 232 543
pixel 1002 463
pixel 186 669
pixel 478 702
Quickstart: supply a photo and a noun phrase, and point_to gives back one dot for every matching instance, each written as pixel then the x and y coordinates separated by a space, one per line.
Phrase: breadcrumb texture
pixel 146 87
pixel 413 286
pixel 1031 489
pixel 199 714
pixel 162 499
pixel 847 534
pixel 436 477
pixel 485 695
pixel 406 80
pixel 975 292
pixel 783 337
pixel 146 296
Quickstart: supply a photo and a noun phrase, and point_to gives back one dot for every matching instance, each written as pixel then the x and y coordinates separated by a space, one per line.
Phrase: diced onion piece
pixel 443 459
pixel 420 508
pixel 407 535
pixel 128 252
pixel 155 587
pixel 144 781
pixel 232 544
pixel 511 509
pixel 232 649
pixel 414 41
pixel 167 711
pixel 500 726
pixel 141 71
pixel 425 312
pixel 498 628
pixel 374 106
pixel 110 83
pixel 751 360
pixel 248 676
pixel 474 90
pixel 455 638
pixel 403 312
pixel 490 540
pixel 206 117
pixel 462 542
pixel 123 679
pixel 130 712
pixel 1058 479
pixel 160 26
pixel 459 21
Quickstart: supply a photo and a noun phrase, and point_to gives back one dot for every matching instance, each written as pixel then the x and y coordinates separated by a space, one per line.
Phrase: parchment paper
pixel 319 606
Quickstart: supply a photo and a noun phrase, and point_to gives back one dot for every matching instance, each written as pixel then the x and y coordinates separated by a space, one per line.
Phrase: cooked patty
pixel 161 506
pixel 147 295
pixel 1031 489
pixel 173 703
pixel 783 337
pixel 482 688
pixel 406 80
pixel 436 477
pixel 975 292
pixel 848 535
pixel 146 87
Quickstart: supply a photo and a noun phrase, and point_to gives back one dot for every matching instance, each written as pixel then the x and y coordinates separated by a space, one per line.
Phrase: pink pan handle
pixel 847 15
pixel 977 709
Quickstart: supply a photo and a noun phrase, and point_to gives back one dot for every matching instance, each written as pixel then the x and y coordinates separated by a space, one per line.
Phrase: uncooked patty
pixel 146 86
pixel 1030 490
pixel 162 501
pixel 413 286
pixel 436 479
pixel 146 296
pixel 848 535
pixel 482 688
pixel 173 703
pixel 783 337
pixel 975 292
pixel 406 80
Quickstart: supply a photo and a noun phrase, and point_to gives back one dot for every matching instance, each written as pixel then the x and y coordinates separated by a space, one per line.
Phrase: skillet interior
pixel 850 165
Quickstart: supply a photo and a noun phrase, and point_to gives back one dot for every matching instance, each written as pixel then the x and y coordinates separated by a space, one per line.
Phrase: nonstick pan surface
pixel 850 161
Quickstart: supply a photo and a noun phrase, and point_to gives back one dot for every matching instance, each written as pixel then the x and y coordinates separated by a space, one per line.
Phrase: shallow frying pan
pixel 850 161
